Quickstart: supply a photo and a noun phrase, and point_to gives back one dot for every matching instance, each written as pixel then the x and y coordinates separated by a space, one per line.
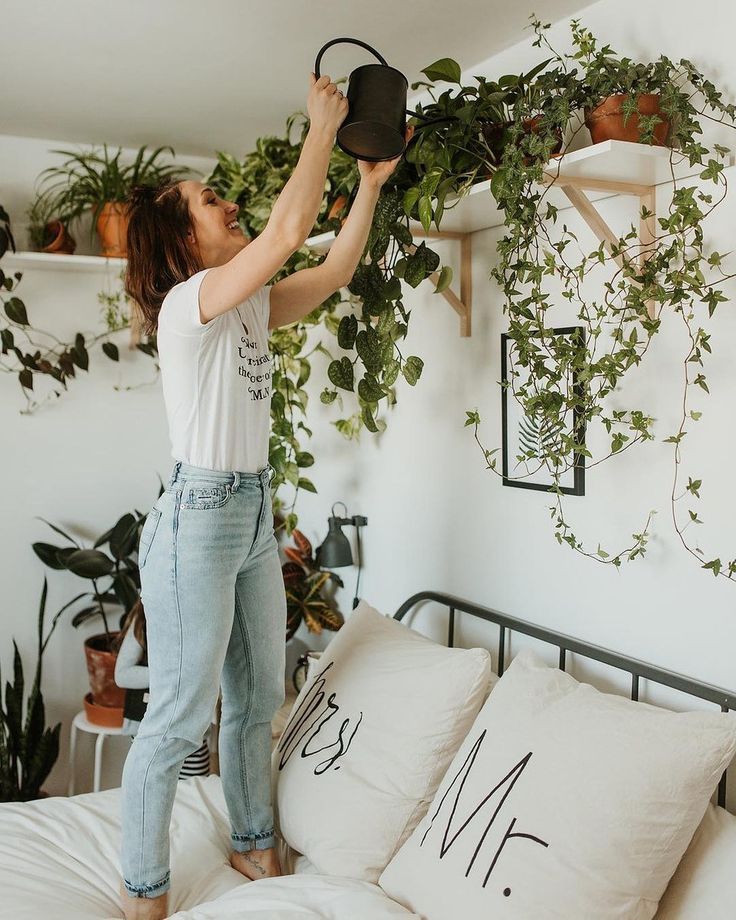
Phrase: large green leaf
pixel 412 369
pixel 341 373
pixel 89 563
pixel 49 555
pixel 124 536
pixel 445 69
pixel 347 331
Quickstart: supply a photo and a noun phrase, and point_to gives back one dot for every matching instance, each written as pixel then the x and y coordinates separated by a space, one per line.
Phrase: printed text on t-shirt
pixel 252 369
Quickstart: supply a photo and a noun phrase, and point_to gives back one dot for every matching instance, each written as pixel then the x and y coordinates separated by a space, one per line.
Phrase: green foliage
pixel 120 566
pixel 542 263
pixel 305 583
pixel 20 353
pixel 87 180
pixel 28 749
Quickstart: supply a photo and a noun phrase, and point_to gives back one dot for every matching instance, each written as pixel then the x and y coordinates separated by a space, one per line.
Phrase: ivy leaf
pixel 16 311
pixel 425 212
pixel 411 196
pixel 368 419
pixel 445 279
pixel 306 484
pixel 369 389
pixel 346 332
pixel 111 350
pixel 341 373
pixel 414 273
pixel 412 369
pixel 80 356
pixel 368 345
pixel 444 69
pixel 26 378
pixel 328 396
pixel 391 372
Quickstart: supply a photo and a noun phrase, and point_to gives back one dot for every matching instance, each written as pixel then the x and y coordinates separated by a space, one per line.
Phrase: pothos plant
pixel 540 260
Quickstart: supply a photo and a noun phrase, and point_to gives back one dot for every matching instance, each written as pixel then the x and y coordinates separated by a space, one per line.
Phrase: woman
pixel 208 558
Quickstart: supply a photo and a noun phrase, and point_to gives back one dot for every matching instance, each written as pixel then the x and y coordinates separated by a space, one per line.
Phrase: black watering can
pixel 374 127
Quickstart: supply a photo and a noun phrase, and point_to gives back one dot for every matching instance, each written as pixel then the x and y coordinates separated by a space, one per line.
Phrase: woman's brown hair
pixel 159 254
pixel 136 619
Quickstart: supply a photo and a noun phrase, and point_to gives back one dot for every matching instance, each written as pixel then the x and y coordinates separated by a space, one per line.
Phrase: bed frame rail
pixel 725 699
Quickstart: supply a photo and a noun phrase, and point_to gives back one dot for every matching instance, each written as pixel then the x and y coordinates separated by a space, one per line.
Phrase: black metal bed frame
pixel 726 699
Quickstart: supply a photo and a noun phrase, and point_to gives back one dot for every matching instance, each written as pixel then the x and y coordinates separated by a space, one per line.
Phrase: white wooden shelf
pixel 52 261
pixel 576 179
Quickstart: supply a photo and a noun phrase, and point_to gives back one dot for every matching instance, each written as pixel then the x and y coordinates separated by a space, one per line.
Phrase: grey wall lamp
pixel 335 552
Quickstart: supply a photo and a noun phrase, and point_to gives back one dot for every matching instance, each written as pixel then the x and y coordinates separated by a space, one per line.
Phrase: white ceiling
pixel 215 76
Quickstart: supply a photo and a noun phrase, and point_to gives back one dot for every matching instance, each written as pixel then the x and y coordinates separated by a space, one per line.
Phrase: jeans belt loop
pixel 236 481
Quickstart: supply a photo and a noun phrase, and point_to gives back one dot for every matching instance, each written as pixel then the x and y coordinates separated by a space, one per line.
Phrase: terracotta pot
pixel 493 133
pixel 112 228
pixel 109 716
pixel 101 669
pixel 606 121
pixel 337 205
pixel 60 239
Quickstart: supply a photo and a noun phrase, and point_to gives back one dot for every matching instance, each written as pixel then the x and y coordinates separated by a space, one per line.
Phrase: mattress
pixel 59 858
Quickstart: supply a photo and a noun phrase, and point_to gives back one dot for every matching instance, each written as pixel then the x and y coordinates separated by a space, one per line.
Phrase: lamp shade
pixel 335 550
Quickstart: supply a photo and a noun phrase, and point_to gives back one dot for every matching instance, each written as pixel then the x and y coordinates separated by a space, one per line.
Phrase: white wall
pixel 437 519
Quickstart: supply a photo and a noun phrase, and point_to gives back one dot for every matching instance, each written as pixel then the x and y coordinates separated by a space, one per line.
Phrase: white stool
pixel 81 721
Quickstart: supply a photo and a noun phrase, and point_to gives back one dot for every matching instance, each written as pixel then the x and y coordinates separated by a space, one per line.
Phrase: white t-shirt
pixel 216 379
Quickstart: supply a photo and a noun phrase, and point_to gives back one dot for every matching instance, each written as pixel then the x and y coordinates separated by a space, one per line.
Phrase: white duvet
pixel 59 860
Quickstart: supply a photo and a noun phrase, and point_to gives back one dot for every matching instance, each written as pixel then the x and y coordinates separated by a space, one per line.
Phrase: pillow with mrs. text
pixel 368 739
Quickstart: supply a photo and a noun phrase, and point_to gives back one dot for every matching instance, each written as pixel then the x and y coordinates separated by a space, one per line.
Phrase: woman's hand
pixel 326 105
pixel 377 173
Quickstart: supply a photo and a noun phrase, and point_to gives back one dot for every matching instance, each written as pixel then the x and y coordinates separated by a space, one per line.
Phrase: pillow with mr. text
pixel 562 802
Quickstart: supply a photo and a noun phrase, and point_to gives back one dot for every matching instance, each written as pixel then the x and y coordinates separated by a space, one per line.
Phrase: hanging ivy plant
pixel 541 263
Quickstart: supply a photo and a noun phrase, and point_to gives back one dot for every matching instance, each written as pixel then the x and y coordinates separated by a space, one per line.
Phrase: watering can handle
pixel 354 41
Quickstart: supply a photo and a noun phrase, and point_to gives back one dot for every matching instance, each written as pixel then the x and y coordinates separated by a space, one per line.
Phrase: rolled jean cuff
pixel 148 891
pixel 242 843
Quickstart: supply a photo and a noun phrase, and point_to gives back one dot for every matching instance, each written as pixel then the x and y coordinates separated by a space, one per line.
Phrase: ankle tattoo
pixel 254 863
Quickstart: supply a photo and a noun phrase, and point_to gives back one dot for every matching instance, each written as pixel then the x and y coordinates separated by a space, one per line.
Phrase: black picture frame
pixel 577 486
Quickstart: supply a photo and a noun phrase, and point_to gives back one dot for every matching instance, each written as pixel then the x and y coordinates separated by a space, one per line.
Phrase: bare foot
pixel 144 908
pixel 256 864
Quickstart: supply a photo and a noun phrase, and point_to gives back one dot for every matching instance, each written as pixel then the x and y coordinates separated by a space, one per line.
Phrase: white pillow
pixel 368 740
pixel 704 886
pixel 562 802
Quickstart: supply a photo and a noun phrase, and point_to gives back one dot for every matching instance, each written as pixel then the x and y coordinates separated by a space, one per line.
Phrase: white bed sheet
pixel 59 860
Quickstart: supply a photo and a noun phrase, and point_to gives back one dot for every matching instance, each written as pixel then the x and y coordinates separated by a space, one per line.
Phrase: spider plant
pixel 88 180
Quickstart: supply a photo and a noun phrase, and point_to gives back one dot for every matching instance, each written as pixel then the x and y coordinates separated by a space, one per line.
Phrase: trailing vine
pixel 509 129
pixel 676 275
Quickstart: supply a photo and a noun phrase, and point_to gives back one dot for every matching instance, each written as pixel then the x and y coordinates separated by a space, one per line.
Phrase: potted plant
pixel 621 99
pixel 28 749
pixel 99 182
pixel 305 582
pixel 104 704
pixel 541 266
pixel 46 232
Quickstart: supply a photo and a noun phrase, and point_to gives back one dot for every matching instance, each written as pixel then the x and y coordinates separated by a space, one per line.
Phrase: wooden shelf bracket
pixel 462 305
pixel 574 188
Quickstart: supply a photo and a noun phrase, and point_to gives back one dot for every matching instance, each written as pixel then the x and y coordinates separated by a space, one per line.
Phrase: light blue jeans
pixel 215 605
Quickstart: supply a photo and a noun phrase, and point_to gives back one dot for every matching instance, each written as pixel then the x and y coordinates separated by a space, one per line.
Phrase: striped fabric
pixel 197 763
